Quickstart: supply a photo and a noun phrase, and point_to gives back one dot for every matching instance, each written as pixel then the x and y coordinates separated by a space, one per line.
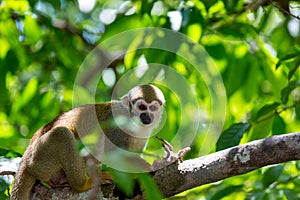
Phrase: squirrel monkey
pixel 52 149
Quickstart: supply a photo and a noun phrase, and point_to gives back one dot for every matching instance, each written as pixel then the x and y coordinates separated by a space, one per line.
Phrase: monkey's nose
pixel 146 118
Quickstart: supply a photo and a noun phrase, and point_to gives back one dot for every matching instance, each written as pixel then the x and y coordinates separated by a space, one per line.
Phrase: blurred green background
pixel 254 45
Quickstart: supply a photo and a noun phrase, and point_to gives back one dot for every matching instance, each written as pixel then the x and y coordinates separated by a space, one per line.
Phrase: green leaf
pixel 11 62
pixel 216 50
pixel 5 47
pixel 232 136
pixel 32 2
pixel 226 191
pixel 30 90
pixel 285 92
pixel 286 58
pixel 147 6
pixel 237 30
pixel 297 112
pixel 3 196
pixel 271 175
pixel 32 29
pixel 209 3
pixel 9 153
pixel 281 39
pixel 261 129
pixel 290 194
pixel 123 24
pixel 3 185
pixel 55 4
pixel 256 194
pixel 279 126
pixel 266 109
pixel 149 186
pixel 124 181
pixel 27 95
pixel 231 5
pixel 293 70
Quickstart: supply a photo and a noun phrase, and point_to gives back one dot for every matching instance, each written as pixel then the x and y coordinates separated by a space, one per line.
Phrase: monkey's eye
pixel 142 107
pixel 153 108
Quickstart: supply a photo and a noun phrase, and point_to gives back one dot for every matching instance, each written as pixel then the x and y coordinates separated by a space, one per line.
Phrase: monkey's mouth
pixel 146 118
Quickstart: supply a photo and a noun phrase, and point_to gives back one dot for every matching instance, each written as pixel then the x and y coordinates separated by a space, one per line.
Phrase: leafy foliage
pixel 232 136
pixel 254 46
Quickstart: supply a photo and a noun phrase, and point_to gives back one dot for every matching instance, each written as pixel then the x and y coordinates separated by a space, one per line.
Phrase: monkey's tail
pixel 22 185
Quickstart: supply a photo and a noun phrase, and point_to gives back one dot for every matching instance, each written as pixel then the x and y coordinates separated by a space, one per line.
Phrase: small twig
pixel 11 173
pixel 275 184
pixel 276 112
pixel 284 11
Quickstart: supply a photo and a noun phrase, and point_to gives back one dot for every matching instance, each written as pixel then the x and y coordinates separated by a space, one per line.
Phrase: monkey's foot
pixel 58 180
pixel 170 156
pixel 105 177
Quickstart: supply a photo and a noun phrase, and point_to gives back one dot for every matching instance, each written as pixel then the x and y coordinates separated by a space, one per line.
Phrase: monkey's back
pixel 84 118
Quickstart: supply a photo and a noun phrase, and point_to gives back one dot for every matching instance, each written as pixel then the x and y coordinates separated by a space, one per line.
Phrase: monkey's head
pixel 145 102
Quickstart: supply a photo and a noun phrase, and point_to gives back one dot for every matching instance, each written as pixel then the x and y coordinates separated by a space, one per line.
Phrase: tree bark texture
pixel 179 177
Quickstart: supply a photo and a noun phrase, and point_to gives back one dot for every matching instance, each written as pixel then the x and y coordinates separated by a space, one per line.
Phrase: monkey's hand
pixel 170 156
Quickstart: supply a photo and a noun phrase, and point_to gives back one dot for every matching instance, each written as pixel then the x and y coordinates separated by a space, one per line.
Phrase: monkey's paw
pixel 170 156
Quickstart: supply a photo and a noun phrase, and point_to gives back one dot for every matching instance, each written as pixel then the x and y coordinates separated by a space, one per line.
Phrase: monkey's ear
pixel 126 101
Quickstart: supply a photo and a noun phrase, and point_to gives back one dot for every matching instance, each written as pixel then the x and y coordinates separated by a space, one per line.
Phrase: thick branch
pixel 227 163
pixel 177 178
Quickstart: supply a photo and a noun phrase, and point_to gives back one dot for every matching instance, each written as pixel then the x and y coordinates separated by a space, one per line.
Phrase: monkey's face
pixel 145 105
pixel 147 113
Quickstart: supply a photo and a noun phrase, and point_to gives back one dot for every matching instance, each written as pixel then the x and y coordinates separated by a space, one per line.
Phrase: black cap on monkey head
pixel 147 92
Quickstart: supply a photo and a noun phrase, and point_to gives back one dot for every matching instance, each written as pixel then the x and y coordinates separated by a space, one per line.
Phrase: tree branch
pixel 188 174
pixel 227 163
